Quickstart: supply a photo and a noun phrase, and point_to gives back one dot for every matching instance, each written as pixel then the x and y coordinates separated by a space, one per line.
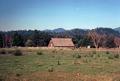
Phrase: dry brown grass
pixel 62 76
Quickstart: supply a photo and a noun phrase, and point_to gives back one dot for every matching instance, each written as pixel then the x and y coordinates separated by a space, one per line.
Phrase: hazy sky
pixel 50 14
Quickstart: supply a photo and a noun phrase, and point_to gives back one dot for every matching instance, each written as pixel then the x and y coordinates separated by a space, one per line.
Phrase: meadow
pixel 43 64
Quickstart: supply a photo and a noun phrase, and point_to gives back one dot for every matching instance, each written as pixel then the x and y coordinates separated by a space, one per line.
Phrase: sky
pixel 52 14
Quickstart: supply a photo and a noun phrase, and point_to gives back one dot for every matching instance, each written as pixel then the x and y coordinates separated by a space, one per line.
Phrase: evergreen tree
pixel 1 40
pixel 17 40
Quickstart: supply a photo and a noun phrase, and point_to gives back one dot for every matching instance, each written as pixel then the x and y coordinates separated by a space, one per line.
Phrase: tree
pixel 1 40
pixel 35 37
pixel 117 41
pixel 96 38
pixel 84 41
pixel 108 42
pixel 17 40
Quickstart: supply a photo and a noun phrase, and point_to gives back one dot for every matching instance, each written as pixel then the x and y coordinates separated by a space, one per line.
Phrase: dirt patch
pixel 63 76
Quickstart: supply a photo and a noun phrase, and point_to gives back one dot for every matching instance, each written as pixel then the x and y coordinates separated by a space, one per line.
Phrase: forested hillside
pixel 103 37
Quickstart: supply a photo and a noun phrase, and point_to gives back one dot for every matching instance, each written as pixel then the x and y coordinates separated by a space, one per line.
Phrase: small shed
pixel 61 42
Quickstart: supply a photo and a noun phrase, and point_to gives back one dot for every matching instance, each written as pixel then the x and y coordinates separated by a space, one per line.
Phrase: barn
pixel 61 42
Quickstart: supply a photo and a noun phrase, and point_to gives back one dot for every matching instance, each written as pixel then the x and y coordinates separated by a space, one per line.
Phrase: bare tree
pixel 117 41
pixel 96 38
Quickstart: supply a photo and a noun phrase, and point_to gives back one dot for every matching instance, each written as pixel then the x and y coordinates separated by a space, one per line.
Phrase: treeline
pixel 99 37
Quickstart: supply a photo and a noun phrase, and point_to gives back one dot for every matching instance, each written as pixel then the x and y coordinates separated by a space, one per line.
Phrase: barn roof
pixel 62 42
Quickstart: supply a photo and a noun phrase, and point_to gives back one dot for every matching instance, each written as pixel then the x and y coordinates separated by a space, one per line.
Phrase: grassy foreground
pixel 59 65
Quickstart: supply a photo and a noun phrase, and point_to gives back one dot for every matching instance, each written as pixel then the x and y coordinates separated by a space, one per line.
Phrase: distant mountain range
pixel 58 30
pixel 71 33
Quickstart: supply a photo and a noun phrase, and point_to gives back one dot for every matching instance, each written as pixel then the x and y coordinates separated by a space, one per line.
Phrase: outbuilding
pixel 61 42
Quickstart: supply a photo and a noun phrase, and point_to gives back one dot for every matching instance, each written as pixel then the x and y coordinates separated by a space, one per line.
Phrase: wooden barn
pixel 61 42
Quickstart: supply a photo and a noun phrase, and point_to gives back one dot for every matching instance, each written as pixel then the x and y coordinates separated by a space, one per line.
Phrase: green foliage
pixel 40 38
pixel 54 51
pixel 17 40
pixel 18 52
pixel 50 69
pixel 39 53
pixel 58 62
pixel 76 55
pixel 1 40
pixel 84 41
pixel 116 55
pixel 18 74
pixel 107 52
pixel 32 63
pixel 111 56
pixel 85 60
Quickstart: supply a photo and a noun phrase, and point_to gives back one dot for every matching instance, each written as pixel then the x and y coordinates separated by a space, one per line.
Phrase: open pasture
pixel 43 64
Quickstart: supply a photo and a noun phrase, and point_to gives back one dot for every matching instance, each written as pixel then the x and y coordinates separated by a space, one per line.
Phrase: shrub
pixel 18 74
pixel 51 69
pixel 18 53
pixel 76 56
pixel 107 52
pixel 39 53
pixel 85 60
pixel 3 51
pixel 110 56
pixel 54 51
pixel 58 62
pixel 116 56
pixel 91 55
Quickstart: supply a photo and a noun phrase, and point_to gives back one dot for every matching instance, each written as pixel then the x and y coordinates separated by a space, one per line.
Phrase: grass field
pixel 59 65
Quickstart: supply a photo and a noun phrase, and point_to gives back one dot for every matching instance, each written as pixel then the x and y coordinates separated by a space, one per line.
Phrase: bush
pixel 18 53
pixel 51 69
pixel 116 56
pixel 58 62
pixel 54 51
pixel 76 56
pixel 107 52
pixel 39 53
pixel 18 74
pixel 91 55
pixel 85 60
pixel 110 56
pixel 3 51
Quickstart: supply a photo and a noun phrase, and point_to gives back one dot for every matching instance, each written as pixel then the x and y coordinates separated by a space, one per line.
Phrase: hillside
pixel 117 29
pixel 42 38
